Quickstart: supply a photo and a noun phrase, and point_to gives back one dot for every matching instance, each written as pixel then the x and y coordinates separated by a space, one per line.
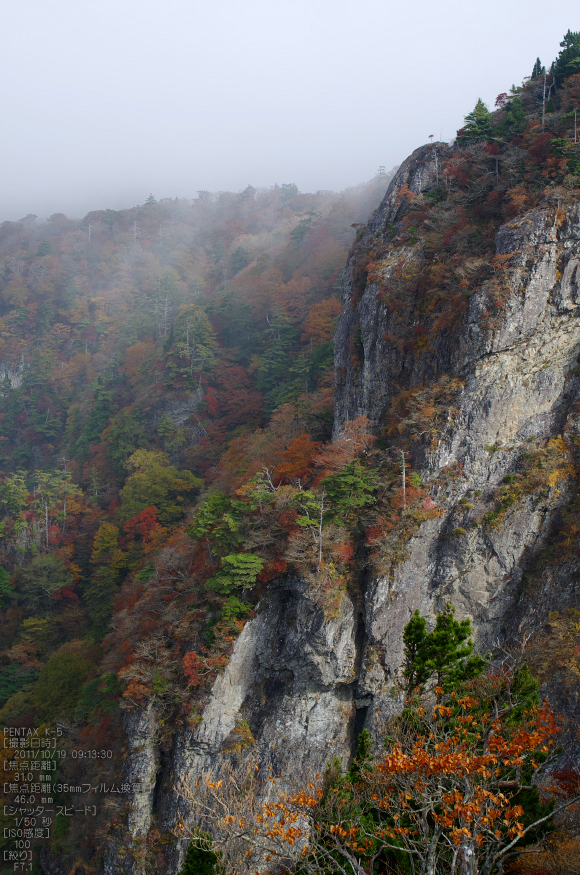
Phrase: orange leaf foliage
pixel 320 323
pixel 297 460
pixel 191 664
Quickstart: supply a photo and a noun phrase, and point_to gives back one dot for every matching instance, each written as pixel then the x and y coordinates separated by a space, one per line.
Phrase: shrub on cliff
pixel 454 790
pixel 200 858
pixel 477 124
pixel 443 656
pixel 568 61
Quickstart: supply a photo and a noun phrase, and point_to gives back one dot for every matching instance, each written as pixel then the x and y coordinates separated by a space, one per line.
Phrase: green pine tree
pixel 6 591
pixel 443 656
pixel 219 520
pixel 568 61
pixel 237 571
pixel 97 422
pixel 349 490
pixel 515 120
pixel 477 124
pixel 190 347
pixel 239 259
pixel 99 596
pixel 538 70
pixel 276 358
pixel 124 436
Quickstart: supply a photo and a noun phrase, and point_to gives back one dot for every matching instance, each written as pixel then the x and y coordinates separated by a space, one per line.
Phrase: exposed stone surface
pixel 519 385
pixel 179 412
pixel 14 374
pixel 142 766
pixel 366 390
pixel 305 684
pixel 292 677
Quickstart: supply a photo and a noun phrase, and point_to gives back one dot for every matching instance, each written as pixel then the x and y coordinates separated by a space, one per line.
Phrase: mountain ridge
pixel 219 576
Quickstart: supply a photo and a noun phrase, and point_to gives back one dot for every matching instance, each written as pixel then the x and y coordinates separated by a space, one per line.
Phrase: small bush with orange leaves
pixel 454 790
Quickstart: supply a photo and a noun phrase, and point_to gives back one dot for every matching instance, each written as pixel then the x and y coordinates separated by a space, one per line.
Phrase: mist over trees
pixel 138 348
pixel 166 453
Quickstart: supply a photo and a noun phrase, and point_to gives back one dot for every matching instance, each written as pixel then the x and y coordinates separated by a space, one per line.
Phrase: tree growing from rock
pixel 443 657
pixel 453 792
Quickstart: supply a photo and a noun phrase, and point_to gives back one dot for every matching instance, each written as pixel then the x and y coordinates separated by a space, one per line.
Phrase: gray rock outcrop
pixel 305 685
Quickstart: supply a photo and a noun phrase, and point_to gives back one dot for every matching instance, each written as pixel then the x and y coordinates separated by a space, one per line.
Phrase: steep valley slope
pixel 478 387
pixel 190 580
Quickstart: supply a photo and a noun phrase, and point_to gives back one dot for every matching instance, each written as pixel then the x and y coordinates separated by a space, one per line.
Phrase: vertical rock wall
pixel 303 684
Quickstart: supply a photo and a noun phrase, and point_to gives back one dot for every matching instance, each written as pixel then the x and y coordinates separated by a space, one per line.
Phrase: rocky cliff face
pixel 304 685
pixel 516 375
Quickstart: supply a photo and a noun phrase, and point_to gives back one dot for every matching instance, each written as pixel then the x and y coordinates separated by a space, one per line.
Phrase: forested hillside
pixel 145 354
pixel 181 443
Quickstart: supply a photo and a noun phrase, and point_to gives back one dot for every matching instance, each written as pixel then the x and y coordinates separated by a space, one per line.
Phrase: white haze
pixel 104 102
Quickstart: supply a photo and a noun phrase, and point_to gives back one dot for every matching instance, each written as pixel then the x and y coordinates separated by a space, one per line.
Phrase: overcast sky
pixel 105 101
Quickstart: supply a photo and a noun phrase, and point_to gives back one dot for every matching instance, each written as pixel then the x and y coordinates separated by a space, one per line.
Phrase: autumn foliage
pixel 166 450
pixel 455 790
